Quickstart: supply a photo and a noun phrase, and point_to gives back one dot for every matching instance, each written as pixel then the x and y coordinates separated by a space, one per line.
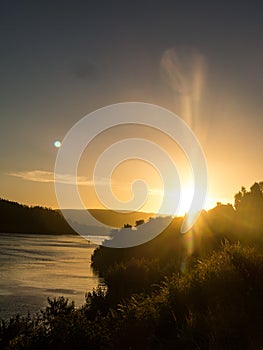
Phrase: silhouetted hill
pixel 18 218
pixel 108 217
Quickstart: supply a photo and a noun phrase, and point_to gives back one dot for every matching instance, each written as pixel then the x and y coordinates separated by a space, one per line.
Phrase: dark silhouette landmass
pixel 108 217
pixel 199 290
pixel 18 218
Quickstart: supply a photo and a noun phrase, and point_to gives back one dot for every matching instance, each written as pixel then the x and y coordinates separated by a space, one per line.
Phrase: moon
pixel 57 144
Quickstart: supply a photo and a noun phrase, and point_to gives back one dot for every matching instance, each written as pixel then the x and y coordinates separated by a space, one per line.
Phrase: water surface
pixel 33 267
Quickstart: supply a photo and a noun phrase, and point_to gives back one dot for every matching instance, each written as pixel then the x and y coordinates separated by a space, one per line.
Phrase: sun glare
pixel 186 199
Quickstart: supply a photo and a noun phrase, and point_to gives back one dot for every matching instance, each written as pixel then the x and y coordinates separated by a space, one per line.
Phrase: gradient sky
pixel 63 59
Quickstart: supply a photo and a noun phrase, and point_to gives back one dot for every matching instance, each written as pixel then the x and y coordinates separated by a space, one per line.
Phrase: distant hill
pixel 108 217
pixel 18 218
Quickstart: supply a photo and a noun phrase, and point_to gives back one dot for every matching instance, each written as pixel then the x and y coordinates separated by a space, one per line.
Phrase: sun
pixel 187 193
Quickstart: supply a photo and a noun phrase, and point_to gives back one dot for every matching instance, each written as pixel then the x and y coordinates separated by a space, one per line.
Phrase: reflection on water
pixel 33 267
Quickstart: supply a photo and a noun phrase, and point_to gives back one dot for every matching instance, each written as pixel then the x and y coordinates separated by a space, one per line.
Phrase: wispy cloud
pixel 44 176
pixel 34 175
pixel 48 177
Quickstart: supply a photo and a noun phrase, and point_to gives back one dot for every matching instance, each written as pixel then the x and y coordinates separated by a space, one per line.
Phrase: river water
pixel 34 267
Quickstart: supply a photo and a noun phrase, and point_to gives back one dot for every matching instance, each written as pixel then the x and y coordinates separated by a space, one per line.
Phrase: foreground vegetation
pixel 201 290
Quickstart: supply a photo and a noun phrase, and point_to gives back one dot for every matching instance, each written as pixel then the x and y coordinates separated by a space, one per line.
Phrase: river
pixel 34 267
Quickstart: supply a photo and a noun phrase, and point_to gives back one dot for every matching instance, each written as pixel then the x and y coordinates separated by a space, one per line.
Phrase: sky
pixel 61 60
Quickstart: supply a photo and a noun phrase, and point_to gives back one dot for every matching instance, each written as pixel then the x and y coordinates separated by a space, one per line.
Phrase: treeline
pixel 18 218
pixel 200 290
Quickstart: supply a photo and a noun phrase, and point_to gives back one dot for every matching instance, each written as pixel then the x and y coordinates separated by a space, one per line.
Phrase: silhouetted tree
pixel 249 207
pixel 139 222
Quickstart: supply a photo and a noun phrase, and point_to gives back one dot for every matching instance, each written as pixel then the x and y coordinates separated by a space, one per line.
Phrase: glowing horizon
pixel 47 178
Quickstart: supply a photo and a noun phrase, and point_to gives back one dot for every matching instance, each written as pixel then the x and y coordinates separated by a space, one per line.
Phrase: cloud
pixel 48 177
pixel 34 175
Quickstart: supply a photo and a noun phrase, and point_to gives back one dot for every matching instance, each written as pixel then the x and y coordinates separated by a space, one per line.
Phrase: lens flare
pixel 184 71
pixel 131 113
pixel 57 144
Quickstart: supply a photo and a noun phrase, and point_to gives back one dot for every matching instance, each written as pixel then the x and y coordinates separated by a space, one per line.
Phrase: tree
pixel 249 207
pixel 139 222
pixel 127 226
